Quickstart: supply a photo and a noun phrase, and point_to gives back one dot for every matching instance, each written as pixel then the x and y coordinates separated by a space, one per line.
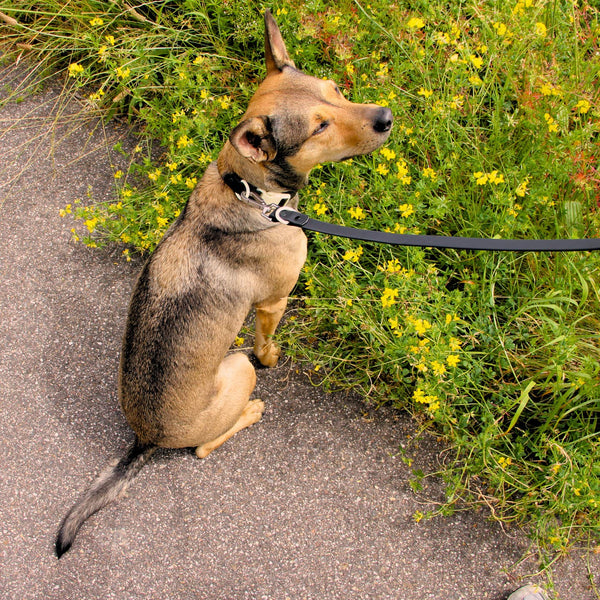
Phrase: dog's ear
pixel 252 138
pixel 276 55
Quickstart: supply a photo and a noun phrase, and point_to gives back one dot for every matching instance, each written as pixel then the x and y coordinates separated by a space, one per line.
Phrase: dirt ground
pixel 313 502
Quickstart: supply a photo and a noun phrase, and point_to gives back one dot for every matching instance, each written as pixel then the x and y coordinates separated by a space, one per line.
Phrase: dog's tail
pixel 109 485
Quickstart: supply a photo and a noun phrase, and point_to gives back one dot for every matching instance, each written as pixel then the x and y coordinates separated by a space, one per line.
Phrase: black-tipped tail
pixel 109 485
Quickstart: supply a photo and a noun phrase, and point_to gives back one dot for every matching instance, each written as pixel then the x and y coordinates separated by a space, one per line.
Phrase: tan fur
pixel 206 396
pixel 178 386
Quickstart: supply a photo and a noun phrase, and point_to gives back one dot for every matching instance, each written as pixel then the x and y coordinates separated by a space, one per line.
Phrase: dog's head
pixel 295 121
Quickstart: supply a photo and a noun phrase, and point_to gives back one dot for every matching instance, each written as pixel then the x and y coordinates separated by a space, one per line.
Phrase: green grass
pixel 496 134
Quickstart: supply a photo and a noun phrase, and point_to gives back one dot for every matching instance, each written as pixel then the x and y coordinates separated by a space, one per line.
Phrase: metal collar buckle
pixel 267 202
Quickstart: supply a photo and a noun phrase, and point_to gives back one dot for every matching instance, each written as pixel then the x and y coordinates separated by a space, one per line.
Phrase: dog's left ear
pixel 276 55
pixel 253 139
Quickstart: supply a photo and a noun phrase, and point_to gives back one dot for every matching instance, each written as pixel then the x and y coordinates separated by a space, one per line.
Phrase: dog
pixel 178 386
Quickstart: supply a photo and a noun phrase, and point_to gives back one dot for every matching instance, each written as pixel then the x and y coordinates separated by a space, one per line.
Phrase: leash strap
pixel 288 216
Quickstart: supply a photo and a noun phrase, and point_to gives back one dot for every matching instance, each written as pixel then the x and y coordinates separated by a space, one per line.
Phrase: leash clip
pixel 258 200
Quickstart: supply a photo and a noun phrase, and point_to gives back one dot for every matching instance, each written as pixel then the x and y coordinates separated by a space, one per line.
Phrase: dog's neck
pixel 256 174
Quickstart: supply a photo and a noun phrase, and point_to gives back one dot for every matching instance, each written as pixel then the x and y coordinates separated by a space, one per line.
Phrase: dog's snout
pixel 383 120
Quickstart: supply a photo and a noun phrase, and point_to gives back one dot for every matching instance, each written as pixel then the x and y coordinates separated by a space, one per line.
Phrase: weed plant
pixel 496 135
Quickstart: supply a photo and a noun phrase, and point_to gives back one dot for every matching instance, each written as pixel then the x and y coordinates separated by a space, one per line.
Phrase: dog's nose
pixel 383 120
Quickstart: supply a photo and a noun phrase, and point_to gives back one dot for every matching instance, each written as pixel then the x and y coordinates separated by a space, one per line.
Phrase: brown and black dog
pixel 178 386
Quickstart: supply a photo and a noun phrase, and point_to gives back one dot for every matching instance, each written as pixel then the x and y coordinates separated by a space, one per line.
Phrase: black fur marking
pixel 108 486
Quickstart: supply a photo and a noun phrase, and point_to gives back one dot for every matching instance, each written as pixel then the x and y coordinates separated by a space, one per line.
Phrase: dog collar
pixel 268 202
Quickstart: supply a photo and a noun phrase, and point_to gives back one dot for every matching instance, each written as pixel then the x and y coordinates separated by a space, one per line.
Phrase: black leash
pixel 272 206
pixel 297 219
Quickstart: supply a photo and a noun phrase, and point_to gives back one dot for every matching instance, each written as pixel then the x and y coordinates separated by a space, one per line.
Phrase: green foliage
pixel 496 134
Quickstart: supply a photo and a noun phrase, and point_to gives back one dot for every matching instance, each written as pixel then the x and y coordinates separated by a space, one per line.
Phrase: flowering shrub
pixel 495 135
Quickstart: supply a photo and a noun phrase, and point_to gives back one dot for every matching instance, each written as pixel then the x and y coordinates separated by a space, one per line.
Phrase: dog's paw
pixel 254 411
pixel 268 355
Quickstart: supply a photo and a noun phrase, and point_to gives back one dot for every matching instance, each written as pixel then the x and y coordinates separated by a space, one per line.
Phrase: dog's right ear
pixel 276 55
pixel 252 138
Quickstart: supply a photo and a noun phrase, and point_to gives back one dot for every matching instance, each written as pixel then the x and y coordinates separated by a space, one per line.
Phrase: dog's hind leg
pixel 268 316
pixel 235 380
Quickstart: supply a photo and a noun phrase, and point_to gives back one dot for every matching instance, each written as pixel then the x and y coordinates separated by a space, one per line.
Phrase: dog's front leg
pixel 268 315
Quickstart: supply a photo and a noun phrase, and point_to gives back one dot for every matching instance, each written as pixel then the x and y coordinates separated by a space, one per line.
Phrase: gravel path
pixel 313 502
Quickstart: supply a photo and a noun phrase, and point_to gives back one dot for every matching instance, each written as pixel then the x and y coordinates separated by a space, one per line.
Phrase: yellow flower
pixel 67 210
pixel 505 461
pixel 480 177
pixel 453 360
pixel 552 125
pixel 191 182
pixel 75 69
pixel 110 39
pixel 154 175
pixel 353 255
pixel 118 174
pixel 500 28
pixel 184 141
pixel 475 80
pixel 91 224
pixel 496 177
pixel 402 167
pixel 454 344
pixel 171 166
pixel 350 69
pixel 438 368
pixel 382 170
pixel 388 298
pixel 406 210
pixel 238 341
pixel 177 115
pixel 356 212
pixel 96 22
pixel 419 395
pixel 421 326
pixel 540 29
pixel 225 102
pixel 391 266
pixel 415 23
pixel 522 188
pixel 476 61
pixel 383 71
pixel 457 102
pixel 388 154
pixel 162 222
pixel 123 73
pixel 102 50
pixel 425 92
pixel 441 38
pixel 320 209
pixel 429 173
pixel 583 106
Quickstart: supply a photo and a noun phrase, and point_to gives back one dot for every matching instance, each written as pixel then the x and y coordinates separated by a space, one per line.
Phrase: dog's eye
pixel 322 127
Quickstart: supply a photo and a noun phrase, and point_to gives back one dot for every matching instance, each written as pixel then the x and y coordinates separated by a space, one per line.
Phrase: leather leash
pixel 271 204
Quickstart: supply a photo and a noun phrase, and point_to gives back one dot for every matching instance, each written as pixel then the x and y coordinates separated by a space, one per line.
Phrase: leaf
pixel 523 400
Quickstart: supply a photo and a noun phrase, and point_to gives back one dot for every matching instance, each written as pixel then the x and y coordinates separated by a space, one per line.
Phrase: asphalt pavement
pixel 314 502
